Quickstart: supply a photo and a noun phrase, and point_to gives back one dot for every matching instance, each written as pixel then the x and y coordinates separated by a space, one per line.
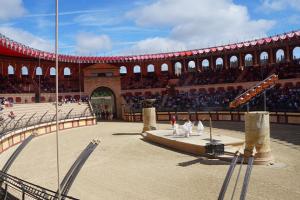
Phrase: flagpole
pixel 56 106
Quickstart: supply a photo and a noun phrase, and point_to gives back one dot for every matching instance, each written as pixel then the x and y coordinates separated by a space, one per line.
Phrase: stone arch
pixel 150 68
pixel 248 60
pixel 296 53
pixel 52 71
pixel 219 63
pixel 67 71
pixel 38 71
pixel 205 64
pixel 234 61
pixel 137 69
pixel 164 67
pixel 264 57
pixel 280 57
pixel 10 70
pixel 104 99
pixel 123 70
pixel 178 68
pixel 191 66
pixel 24 71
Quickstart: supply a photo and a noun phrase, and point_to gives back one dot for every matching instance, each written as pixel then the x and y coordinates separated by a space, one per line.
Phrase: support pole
pixel 210 127
pixel 265 101
pixel 56 106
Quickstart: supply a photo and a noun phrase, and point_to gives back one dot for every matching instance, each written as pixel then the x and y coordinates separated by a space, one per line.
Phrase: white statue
pixel 200 128
pixel 188 128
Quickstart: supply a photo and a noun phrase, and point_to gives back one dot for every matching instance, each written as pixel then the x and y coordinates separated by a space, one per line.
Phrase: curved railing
pixel 12 187
pixel 24 122
pixel 16 188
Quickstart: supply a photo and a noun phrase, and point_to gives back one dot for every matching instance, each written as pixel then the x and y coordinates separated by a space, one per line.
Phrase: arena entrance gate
pixel 103 101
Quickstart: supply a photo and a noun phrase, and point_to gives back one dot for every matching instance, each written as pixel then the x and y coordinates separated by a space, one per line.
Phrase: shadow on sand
pixel 282 132
pixel 204 161
pixel 199 160
pixel 126 134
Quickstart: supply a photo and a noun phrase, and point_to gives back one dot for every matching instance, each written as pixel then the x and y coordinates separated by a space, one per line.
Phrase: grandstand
pixel 27 75
pixel 196 84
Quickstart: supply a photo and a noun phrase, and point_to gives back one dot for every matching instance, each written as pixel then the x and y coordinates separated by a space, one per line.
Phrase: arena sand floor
pixel 124 166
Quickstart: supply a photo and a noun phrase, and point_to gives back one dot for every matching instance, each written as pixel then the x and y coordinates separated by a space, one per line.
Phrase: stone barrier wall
pixel 15 137
pixel 278 117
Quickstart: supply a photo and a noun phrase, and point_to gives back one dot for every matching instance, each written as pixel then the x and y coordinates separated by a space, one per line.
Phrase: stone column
pixel 257 135
pixel 149 116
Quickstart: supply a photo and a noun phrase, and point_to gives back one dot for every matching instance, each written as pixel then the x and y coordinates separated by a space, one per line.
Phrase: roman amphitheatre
pixel 220 122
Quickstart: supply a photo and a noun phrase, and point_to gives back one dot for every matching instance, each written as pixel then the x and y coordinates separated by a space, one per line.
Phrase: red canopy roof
pixel 13 48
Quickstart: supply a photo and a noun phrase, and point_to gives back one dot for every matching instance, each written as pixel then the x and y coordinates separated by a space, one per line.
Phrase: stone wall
pixel 17 136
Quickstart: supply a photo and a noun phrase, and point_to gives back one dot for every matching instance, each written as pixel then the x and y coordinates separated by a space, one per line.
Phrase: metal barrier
pixel 34 120
pixel 16 188
pixel 237 158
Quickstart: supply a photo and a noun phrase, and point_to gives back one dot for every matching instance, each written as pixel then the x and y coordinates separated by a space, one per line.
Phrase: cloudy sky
pixel 117 27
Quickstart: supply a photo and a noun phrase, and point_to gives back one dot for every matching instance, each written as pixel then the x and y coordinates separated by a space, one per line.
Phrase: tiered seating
pixel 150 81
pixel 42 112
pixel 281 98
pixel 40 108
pixel 208 76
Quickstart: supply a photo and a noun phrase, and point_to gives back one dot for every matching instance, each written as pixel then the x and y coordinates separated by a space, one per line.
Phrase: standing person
pixel 200 128
pixel 173 121
pixel 111 116
pixel 107 115
pixel 102 114
pixel 187 127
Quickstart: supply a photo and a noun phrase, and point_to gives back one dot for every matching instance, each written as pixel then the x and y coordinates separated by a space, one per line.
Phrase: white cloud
pixel 199 23
pixel 27 38
pixel 96 19
pixel 278 5
pixel 155 45
pixel 88 43
pixel 10 9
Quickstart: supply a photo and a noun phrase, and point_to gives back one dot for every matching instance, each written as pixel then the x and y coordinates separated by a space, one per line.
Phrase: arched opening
pixel 67 71
pixel 123 70
pixel 233 62
pixel 52 71
pixel 10 70
pixel 150 68
pixel 205 64
pixel 219 63
pixel 164 67
pixel 38 71
pixel 264 57
pixel 248 60
pixel 280 56
pixel 103 101
pixel 178 68
pixel 191 66
pixel 24 71
pixel 137 69
pixel 296 53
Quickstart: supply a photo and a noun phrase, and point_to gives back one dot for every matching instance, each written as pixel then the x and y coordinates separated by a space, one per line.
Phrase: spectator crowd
pixel 279 99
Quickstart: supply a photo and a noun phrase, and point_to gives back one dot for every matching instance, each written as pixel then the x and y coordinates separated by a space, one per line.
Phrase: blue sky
pixel 115 27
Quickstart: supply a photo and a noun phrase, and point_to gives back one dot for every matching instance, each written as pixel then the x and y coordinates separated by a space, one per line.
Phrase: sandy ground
pixel 124 166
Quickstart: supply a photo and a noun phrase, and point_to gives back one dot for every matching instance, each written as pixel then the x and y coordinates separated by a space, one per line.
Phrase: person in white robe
pixel 200 128
pixel 187 128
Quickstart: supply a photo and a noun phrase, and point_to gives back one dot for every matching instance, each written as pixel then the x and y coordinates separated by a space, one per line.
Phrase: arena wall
pixel 15 137
pixel 278 117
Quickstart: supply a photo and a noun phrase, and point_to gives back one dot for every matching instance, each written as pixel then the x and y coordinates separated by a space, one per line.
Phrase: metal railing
pixel 34 120
pixel 16 188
